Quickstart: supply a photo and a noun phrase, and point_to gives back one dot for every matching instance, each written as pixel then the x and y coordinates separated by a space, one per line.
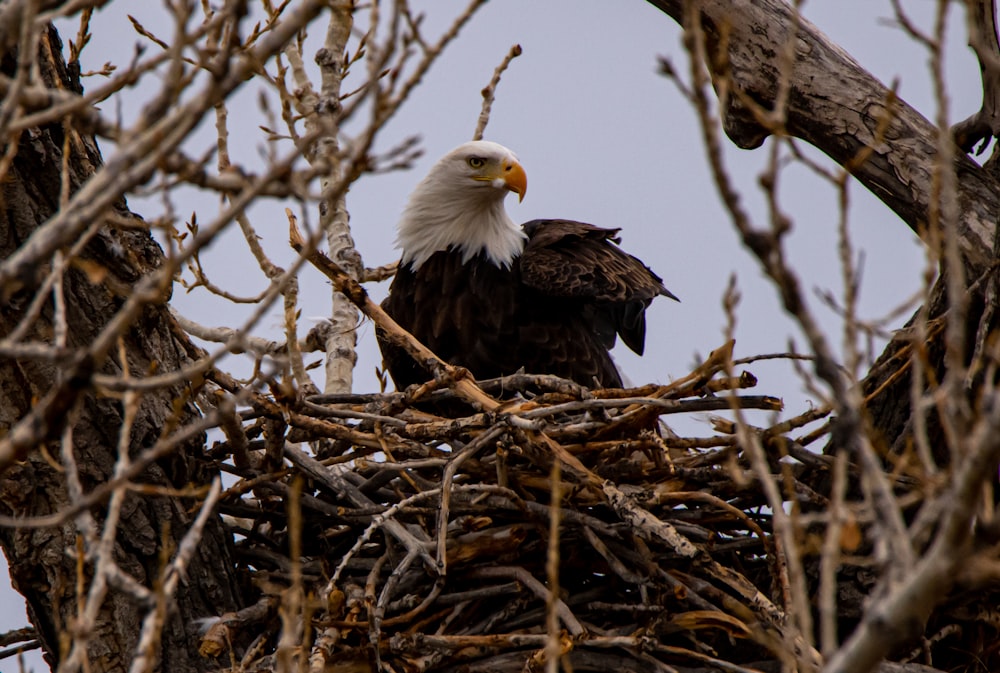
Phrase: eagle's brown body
pixel 550 297
pixel 555 309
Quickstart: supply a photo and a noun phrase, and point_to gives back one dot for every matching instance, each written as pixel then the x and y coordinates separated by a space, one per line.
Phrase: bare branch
pixel 489 92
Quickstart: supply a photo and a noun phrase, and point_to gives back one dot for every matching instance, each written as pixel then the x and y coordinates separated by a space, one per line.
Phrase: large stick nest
pixel 417 542
pixel 432 551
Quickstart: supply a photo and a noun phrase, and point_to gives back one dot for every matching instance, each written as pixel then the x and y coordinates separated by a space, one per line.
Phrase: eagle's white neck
pixel 470 219
pixel 479 227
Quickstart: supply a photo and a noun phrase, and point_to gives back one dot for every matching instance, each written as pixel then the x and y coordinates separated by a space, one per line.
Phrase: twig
pixel 149 636
pixel 489 92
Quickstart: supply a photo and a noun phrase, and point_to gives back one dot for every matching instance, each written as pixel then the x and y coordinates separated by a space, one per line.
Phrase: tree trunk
pixel 43 560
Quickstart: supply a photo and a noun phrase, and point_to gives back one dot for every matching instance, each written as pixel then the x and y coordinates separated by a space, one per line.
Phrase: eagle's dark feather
pixel 556 310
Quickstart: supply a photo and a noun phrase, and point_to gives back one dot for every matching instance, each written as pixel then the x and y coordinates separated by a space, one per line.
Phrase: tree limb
pixel 840 108
pixel 985 123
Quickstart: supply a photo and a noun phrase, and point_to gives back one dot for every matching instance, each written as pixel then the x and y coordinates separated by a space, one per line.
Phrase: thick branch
pixel 837 106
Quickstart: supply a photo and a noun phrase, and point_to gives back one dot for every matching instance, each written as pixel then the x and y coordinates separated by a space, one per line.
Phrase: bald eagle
pixel 485 294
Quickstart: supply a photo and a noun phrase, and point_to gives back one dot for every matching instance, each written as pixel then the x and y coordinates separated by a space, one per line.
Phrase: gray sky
pixel 606 140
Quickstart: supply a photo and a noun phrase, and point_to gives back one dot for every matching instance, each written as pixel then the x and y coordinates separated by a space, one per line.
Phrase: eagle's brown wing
pixel 563 258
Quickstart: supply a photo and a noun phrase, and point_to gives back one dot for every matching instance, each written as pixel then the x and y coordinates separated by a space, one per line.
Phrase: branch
pixel 237 341
pixel 837 106
pixel 325 111
pixel 489 93
pixel 908 604
pixel 985 123
pixel 345 284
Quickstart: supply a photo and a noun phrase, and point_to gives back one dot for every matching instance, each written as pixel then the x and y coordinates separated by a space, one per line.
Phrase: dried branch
pixel 489 92
pixel 137 160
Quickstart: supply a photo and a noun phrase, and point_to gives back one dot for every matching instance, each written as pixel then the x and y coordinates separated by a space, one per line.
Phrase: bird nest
pixel 564 523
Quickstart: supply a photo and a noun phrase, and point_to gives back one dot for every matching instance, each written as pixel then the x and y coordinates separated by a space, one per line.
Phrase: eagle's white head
pixel 459 205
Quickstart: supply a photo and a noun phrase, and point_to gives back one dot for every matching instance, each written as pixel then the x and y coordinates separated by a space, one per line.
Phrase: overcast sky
pixel 604 139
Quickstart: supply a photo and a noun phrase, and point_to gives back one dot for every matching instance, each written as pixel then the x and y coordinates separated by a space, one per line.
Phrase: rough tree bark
pixel 43 561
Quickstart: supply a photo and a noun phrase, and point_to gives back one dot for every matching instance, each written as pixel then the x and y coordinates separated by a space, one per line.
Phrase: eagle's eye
pixel 476 162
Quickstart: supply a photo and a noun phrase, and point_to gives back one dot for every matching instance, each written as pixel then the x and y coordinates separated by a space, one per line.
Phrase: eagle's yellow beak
pixel 515 178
